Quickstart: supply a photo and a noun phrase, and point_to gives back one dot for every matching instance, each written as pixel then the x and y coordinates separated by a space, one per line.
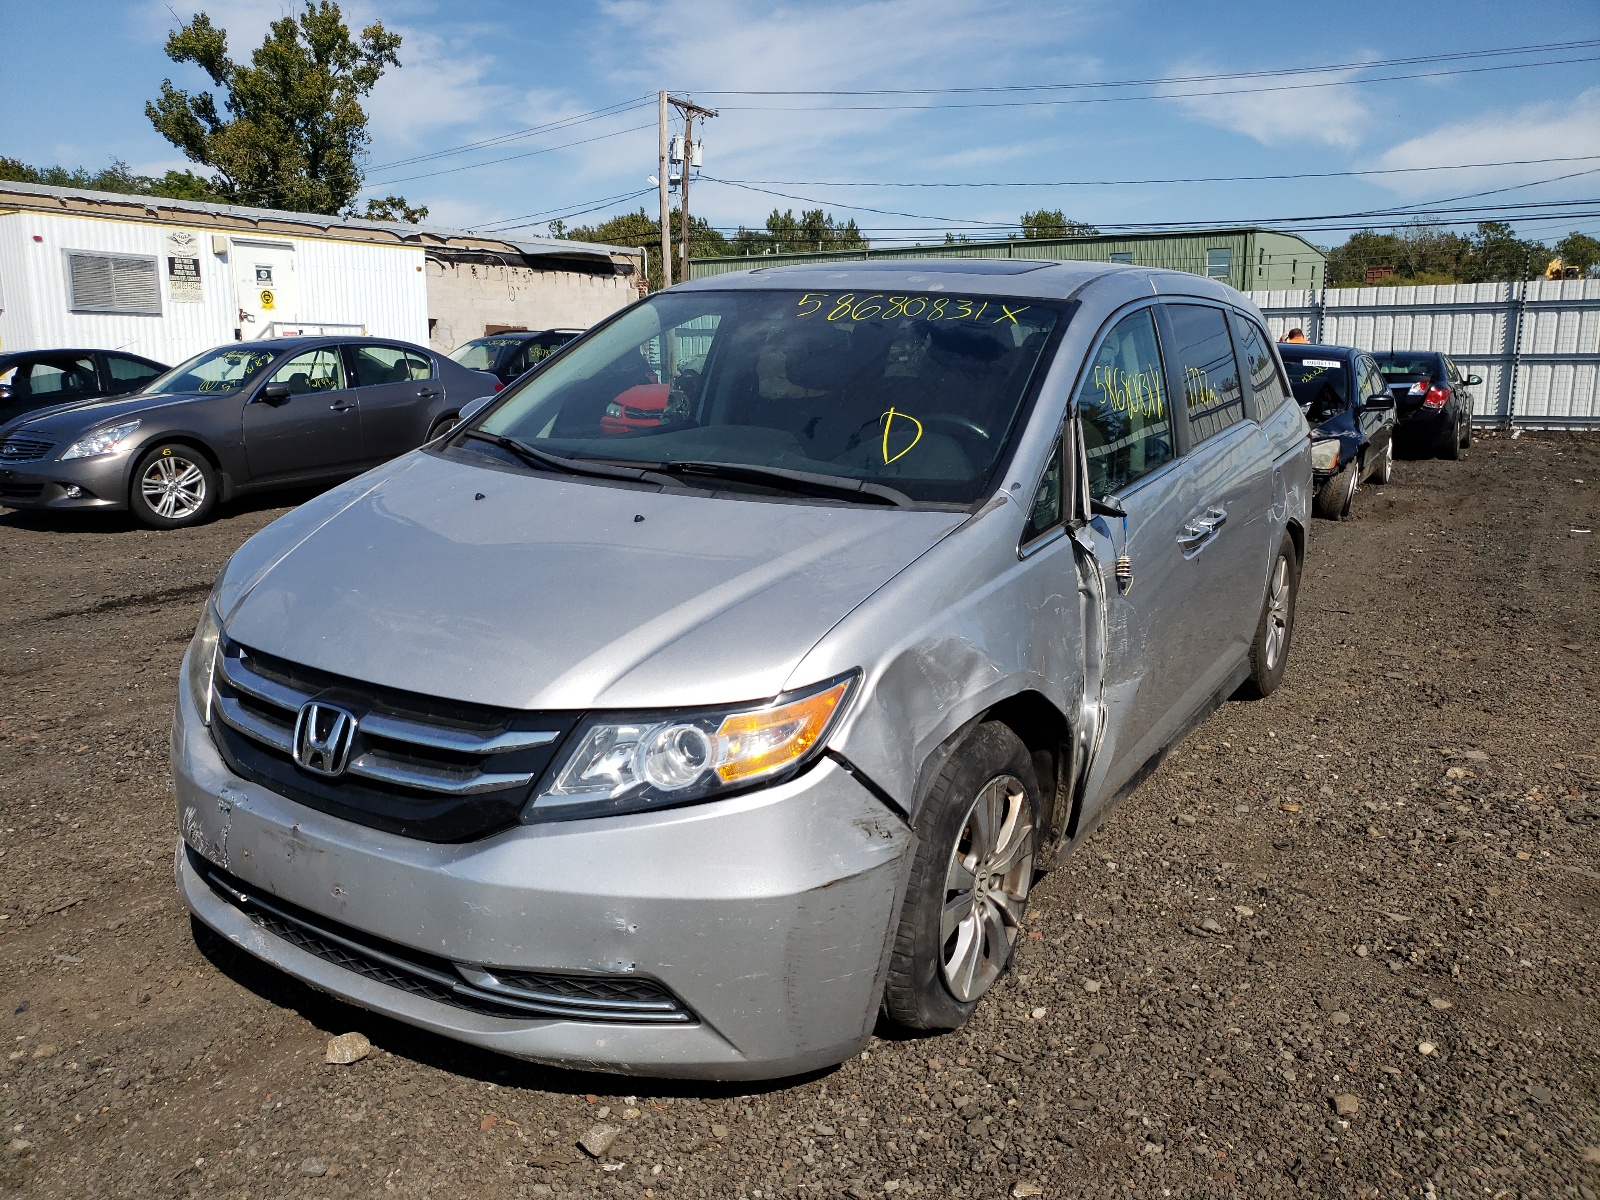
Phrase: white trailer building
pixel 169 278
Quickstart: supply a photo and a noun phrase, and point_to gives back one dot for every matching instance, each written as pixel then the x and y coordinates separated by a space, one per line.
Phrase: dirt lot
pixel 1381 884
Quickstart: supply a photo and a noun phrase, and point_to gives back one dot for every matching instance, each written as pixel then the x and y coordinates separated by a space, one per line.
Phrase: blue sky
pixel 78 74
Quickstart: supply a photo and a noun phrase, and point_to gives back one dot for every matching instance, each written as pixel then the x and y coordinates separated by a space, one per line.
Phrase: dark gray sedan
pixel 240 418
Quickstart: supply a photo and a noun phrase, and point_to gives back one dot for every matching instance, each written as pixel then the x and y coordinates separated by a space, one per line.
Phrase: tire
pixel 1269 651
pixel 1383 473
pixel 1450 447
pixel 173 487
pixel 442 426
pixel 1334 498
pixel 946 956
pixel 1466 438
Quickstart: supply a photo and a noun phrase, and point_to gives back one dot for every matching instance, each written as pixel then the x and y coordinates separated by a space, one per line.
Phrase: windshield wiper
pixel 543 459
pixel 801 482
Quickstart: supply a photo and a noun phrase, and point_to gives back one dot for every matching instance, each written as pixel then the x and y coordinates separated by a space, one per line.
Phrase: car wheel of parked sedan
pixel 1450 447
pixel 1466 437
pixel 443 426
pixel 1384 472
pixel 173 486
pixel 977 836
pixel 1334 497
pixel 1269 652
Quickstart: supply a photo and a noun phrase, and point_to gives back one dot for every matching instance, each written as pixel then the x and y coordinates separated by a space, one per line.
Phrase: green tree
pixel 812 230
pixel 1498 254
pixel 395 208
pixel 1053 223
pixel 641 229
pixel 178 185
pixel 1579 250
pixel 295 132
pixel 1420 253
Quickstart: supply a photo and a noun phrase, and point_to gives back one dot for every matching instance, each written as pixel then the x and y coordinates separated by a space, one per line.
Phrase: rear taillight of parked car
pixel 1432 397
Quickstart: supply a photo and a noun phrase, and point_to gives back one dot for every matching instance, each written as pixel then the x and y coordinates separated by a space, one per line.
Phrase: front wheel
pixel 1334 497
pixel 977 837
pixel 1269 652
pixel 173 487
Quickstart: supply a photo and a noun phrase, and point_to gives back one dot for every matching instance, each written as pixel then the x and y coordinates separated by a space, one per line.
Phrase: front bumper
pixel 47 483
pixel 769 914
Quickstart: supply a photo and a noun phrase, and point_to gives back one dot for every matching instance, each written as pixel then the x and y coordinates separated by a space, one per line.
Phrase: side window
pixel 1371 381
pixel 320 370
pixel 129 373
pixel 61 378
pixel 1203 353
pixel 1265 382
pixel 1123 407
pixel 1047 501
pixel 388 364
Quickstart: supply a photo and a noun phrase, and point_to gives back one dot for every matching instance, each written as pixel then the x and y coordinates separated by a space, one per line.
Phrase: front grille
pixel 427 768
pixel 21 449
pixel 508 993
pixel 17 490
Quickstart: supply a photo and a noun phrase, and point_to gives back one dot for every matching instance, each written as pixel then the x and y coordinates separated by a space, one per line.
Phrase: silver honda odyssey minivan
pixel 725 685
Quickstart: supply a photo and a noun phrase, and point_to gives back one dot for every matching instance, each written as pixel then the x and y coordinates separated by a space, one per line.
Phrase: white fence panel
pixel 1536 344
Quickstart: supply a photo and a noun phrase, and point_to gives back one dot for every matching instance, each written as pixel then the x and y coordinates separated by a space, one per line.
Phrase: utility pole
pixel 690 112
pixel 666 194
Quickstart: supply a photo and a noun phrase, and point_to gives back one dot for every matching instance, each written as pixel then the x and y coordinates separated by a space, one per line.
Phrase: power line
pixel 1541 48
pixel 505 224
pixel 611 110
pixel 509 158
pixel 1515 162
pixel 1287 87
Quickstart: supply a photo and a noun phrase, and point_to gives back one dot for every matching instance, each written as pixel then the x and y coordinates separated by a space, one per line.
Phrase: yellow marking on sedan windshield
pixel 888 425
pixel 848 306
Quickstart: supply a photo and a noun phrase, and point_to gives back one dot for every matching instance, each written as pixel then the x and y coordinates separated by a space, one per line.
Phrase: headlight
pixel 203 656
pixel 622 765
pixel 1325 454
pixel 104 441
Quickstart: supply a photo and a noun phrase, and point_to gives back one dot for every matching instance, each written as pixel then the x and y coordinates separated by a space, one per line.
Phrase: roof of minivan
pixel 1042 279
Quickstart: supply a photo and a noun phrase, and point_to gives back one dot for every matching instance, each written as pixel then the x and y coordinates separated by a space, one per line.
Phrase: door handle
pixel 1203 528
pixel 340 407
pixel 427 393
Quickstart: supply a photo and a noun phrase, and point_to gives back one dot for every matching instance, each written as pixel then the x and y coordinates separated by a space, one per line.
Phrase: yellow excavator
pixel 1558 270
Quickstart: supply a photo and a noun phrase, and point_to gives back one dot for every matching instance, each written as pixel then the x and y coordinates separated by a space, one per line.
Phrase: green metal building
pixel 1246 258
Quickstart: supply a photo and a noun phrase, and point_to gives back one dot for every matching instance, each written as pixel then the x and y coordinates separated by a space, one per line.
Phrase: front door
pixel 265 284
pixel 1377 424
pixel 314 430
pixel 396 389
pixel 1127 427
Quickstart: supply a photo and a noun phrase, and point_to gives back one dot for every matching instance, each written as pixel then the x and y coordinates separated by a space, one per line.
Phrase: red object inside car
pixel 640 407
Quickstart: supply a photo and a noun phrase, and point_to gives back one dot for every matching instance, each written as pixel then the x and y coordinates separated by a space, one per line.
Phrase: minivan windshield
pixel 918 392
pixel 1320 385
pixel 215 372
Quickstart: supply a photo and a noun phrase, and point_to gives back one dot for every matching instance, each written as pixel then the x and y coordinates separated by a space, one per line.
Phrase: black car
pixel 1352 419
pixel 508 354
pixel 243 417
pixel 1431 396
pixel 34 379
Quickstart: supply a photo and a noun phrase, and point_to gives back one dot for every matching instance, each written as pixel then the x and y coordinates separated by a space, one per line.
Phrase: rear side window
pixel 130 370
pixel 1123 407
pixel 58 379
pixel 388 364
pixel 1265 382
pixel 1203 354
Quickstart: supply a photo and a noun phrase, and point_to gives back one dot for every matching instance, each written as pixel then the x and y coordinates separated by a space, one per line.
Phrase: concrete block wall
pixel 465 298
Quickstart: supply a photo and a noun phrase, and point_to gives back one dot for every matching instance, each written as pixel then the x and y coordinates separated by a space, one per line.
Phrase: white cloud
pixel 1549 130
pixel 1331 115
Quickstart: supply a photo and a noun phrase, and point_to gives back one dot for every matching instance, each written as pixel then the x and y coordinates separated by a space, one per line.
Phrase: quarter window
pixel 389 364
pixel 1046 513
pixel 1123 407
pixel 318 370
pixel 1203 354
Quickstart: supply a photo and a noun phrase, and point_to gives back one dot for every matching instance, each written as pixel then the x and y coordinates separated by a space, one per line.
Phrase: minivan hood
pixel 544 592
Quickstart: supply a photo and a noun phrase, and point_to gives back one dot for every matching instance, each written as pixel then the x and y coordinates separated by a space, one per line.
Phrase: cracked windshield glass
pixel 916 392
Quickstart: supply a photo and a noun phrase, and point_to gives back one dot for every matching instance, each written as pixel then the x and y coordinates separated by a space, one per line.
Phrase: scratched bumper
pixel 769 915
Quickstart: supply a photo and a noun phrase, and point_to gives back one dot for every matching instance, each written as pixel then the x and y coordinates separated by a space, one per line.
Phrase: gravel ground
pixel 1341 944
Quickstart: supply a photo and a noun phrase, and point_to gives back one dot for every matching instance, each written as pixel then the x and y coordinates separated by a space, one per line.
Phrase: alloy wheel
pixel 173 487
pixel 986 886
pixel 1277 611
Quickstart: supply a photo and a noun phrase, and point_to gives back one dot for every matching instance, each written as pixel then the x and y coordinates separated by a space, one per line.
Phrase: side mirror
pixel 275 393
pixel 1106 508
pixel 1474 380
pixel 1379 404
pixel 473 407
